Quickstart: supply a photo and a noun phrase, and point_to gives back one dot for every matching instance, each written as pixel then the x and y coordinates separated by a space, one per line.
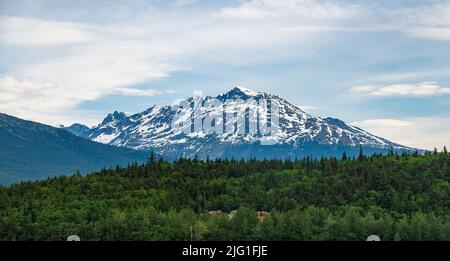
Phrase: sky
pixel 383 66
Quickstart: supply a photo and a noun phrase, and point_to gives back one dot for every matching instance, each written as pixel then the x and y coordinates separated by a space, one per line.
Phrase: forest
pixel 398 196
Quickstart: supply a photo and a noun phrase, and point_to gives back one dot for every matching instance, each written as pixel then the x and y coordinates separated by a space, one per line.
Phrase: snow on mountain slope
pixel 152 129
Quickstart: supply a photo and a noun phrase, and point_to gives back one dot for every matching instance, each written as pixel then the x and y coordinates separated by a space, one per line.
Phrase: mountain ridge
pixel 299 132
pixel 31 151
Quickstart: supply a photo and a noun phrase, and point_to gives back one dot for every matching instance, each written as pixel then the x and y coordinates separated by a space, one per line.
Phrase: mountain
pixel 77 129
pixel 30 150
pixel 299 134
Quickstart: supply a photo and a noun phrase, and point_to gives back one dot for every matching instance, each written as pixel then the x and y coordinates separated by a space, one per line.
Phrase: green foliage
pixel 398 197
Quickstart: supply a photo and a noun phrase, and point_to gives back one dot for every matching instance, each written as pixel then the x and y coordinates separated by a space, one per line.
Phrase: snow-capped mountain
pixel 180 130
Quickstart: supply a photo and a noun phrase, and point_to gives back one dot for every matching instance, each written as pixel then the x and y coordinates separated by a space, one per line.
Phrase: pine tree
pixel 152 158
pixel 391 151
pixel 361 155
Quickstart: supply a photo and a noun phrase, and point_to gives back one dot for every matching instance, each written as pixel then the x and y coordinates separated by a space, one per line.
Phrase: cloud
pixel 136 92
pixel 73 62
pixel 424 133
pixel 307 108
pixel 28 31
pixel 38 101
pixel 77 62
pixel 318 29
pixel 386 123
pixel 419 89
pixel 59 78
pixel 433 33
pixel 407 75
pixel 182 3
pixel 305 9
pixel 430 20
pixel 54 104
pixel 429 14
pixel 13 89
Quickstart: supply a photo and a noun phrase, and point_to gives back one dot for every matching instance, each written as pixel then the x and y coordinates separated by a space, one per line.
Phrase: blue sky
pixel 382 66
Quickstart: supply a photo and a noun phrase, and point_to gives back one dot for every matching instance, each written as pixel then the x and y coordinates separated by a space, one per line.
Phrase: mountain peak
pixel 114 116
pixel 239 92
pixel 247 91
pixel 77 129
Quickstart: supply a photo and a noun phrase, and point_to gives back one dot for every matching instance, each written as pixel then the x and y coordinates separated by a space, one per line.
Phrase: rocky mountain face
pixel 241 123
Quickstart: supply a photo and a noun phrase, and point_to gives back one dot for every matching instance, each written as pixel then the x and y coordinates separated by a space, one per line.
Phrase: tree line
pixel 396 196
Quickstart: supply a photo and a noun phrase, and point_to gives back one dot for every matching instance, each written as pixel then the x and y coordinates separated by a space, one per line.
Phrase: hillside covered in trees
pixel 398 197
pixel 34 151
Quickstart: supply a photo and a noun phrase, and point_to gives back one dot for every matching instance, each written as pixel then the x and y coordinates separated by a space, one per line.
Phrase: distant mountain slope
pixel 77 129
pixel 30 150
pixel 300 134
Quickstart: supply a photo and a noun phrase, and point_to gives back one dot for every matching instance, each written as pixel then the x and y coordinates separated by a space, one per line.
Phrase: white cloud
pixel 429 21
pixel 308 108
pixel 54 104
pixel 77 62
pixel 386 123
pixel 318 29
pixel 434 14
pixel 137 92
pixel 13 89
pixel 301 9
pixel 434 33
pixel 106 63
pixel 38 101
pixel 424 133
pixel 28 31
pixel 419 89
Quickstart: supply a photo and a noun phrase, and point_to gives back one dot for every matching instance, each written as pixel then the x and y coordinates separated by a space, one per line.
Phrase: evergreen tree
pixel 402 197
